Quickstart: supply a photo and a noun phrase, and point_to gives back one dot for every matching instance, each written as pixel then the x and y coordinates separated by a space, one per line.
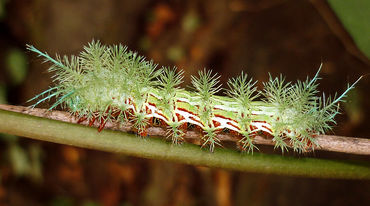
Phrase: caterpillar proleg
pixel 111 83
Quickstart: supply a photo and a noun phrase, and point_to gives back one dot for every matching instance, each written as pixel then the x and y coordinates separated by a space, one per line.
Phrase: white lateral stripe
pixel 224 124
pixel 259 126
pixel 188 118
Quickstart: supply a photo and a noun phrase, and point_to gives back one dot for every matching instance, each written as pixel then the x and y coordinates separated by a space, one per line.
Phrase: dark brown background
pixel 259 37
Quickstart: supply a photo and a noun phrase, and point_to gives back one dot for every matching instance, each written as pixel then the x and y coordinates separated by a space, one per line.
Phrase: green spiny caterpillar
pixel 111 83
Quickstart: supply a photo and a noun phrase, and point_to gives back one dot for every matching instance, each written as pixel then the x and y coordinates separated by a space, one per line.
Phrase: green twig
pixel 125 143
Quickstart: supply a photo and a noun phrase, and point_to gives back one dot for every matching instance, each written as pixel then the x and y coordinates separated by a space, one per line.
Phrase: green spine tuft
pixel 111 83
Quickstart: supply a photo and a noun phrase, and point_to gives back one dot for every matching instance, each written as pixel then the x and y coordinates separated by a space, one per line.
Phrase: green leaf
pixel 355 15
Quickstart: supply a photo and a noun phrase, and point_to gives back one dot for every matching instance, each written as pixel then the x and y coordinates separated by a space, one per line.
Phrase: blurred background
pixel 228 36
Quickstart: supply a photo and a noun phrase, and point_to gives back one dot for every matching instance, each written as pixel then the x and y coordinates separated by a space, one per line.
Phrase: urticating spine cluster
pixel 110 83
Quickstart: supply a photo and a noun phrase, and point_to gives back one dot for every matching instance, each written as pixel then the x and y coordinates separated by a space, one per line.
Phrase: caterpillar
pixel 111 83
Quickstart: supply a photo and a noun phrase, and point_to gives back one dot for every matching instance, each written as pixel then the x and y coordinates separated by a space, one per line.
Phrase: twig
pixel 350 145
pixel 44 129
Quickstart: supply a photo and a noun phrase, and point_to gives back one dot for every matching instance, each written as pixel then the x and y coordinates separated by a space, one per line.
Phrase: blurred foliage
pixel 24 162
pixel 353 107
pixel 3 93
pixel 70 201
pixel 62 201
pixel 175 53
pixel 355 16
pixel 16 65
pixel 19 160
pixel 2 8
pixel 190 22
pixel 90 203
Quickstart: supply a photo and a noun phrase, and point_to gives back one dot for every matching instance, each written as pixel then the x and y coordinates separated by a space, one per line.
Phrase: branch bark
pixel 352 145
pixel 50 130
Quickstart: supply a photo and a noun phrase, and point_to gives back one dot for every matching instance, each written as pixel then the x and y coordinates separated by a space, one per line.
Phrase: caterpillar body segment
pixel 111 83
